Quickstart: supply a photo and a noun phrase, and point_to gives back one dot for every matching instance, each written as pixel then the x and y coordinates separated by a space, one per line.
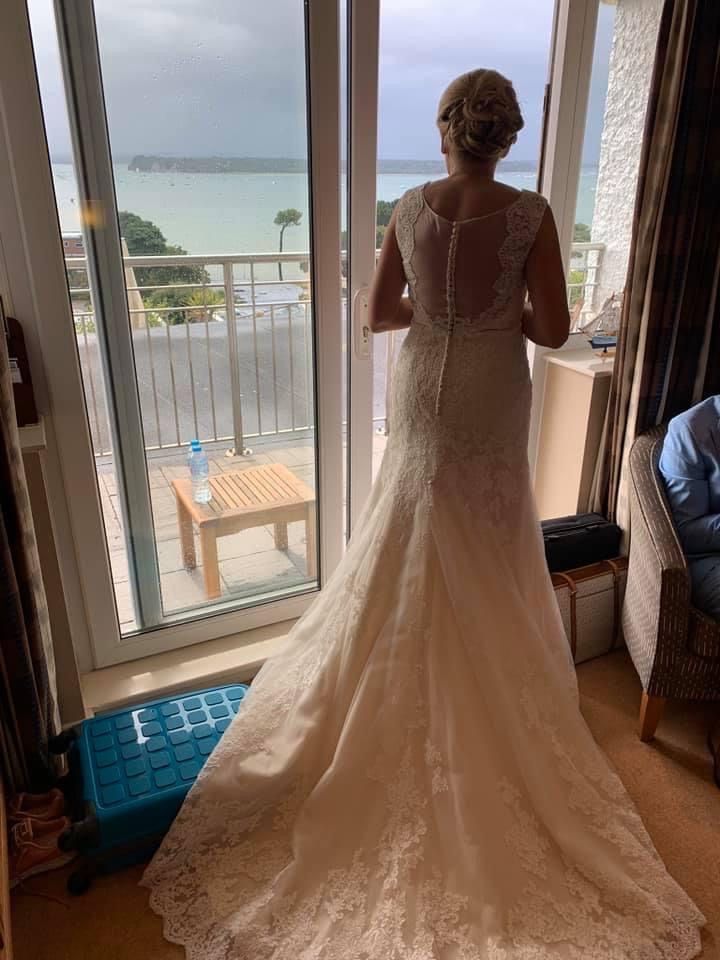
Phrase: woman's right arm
pixel 546 319
pixel 388 308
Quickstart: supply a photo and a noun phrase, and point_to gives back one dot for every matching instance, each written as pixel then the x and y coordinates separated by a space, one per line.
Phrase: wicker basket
pixel 590 600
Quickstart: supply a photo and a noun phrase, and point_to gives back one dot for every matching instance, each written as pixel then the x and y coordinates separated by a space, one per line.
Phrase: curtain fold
pixel 28 711
pixel 668 355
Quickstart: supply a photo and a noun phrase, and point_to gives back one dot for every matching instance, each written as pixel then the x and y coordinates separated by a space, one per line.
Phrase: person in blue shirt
pixel 690 467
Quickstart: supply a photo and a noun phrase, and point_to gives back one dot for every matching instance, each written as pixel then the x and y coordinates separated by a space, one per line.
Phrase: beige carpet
pixel 669 780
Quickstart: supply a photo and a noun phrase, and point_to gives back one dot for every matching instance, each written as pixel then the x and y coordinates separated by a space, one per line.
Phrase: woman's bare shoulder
pixel 457 198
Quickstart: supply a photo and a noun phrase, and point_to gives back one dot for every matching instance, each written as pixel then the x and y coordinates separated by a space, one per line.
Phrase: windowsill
pixel 233 659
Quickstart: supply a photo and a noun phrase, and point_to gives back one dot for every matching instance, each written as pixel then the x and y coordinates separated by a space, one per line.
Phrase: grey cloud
pixel 199 77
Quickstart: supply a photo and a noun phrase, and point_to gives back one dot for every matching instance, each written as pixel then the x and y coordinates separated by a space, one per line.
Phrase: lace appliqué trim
pixel 409 210
pixel 388 901
pixel 642 913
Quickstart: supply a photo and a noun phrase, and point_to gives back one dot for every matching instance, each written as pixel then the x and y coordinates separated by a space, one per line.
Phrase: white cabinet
pixel 575 397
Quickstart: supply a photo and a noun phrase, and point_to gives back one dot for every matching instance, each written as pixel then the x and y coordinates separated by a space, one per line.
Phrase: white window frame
pixel 37 294
pixel 363 55
pixel 83 80
pixel 36 259
pixel 566 105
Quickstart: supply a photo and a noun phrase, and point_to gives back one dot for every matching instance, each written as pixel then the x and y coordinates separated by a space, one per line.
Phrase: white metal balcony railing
pixel 200 376
pixel 583 281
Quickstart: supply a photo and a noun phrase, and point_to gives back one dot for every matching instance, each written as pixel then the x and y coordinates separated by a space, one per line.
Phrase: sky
pixel 227 77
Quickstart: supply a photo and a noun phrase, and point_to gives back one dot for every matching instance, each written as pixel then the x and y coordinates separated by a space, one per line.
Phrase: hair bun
pixel 480 114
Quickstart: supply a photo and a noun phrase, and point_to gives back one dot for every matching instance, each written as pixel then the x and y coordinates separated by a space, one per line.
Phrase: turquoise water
pixel 234 213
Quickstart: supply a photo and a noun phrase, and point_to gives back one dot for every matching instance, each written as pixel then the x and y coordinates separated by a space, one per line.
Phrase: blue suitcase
pixel 130 771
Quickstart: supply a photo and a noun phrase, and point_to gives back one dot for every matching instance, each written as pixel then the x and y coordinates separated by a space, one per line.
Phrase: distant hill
pixel 157 164
pixel 153 164
pixel 438 166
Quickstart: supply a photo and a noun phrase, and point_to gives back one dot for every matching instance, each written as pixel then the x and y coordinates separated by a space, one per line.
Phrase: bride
pixel 411 778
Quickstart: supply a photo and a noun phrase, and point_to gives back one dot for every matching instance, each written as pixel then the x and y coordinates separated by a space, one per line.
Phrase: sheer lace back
pixel 467 273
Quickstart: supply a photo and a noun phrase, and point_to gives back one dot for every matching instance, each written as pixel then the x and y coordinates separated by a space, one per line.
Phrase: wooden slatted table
pixel 240 500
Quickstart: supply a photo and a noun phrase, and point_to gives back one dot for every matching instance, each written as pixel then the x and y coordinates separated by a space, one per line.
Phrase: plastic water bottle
pixel 199 473
pixel 193 451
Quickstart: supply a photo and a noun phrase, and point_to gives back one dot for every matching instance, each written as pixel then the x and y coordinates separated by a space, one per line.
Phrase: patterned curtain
pixel 668 355
pixel 28 713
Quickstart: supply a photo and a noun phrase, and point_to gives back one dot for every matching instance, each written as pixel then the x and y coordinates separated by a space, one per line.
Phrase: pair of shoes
pixel 37 806
pixel 34 848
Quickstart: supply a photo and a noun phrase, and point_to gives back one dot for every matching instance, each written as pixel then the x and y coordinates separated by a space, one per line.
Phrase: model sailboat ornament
pixel 602 329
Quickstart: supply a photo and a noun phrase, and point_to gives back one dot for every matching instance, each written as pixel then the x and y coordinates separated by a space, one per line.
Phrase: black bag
pixel 572 542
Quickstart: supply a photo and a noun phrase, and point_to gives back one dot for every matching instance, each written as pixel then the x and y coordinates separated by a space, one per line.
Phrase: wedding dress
pixel 411 778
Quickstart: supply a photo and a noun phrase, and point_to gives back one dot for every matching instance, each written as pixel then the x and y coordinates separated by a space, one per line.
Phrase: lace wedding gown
pixel 411 779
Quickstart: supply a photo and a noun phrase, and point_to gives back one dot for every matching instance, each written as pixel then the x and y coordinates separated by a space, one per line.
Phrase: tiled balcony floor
pixel 248 561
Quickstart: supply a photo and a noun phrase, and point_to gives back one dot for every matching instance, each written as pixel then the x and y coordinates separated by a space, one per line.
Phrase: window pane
pixel 622 66
pixel 421 50
pixel 207 117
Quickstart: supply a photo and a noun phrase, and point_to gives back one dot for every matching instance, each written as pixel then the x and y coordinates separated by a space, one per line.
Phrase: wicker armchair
pixel 675 647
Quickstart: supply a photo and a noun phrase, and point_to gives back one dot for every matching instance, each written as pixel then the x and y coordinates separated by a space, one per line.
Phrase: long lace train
pixel 411 779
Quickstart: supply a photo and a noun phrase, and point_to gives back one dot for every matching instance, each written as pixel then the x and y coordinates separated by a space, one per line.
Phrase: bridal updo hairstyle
pixel 479 115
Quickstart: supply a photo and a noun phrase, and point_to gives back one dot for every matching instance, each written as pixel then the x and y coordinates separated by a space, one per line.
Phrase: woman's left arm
pixel 388 309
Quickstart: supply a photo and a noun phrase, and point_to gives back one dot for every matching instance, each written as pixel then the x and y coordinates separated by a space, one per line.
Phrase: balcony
pixel 198 375
pixel 243 382
pixel 243 388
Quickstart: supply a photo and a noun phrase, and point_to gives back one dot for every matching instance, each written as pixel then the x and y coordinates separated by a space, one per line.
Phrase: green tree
pixel 284 219
pixel 193 306
pixel 385 211
pixel 141 236
pixel 576 281
pixel 144 238
pixel 581 233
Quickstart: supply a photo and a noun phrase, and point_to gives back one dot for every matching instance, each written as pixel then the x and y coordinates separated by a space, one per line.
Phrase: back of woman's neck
pixel 477 169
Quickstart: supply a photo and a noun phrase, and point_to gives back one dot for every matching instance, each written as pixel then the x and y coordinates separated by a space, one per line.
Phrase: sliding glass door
pixel 401 58
pixel 203 264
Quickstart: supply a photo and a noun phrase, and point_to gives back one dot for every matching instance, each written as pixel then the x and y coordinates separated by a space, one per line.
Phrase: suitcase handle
pixel 572 586
pixel 616 602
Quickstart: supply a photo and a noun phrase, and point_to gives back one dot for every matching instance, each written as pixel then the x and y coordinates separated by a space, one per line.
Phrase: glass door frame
pixel 565 113
pixel 93 572
pixel 77 34
pixel 37 294
pixel 565 110
pixel 363 45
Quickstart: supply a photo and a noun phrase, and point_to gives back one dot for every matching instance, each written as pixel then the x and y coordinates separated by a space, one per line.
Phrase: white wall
pixel 631 64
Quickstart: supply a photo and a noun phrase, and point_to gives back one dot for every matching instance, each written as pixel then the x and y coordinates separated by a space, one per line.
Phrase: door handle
pixel 361 330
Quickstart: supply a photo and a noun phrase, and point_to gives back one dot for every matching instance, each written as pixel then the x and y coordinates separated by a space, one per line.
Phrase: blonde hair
pixel 479 114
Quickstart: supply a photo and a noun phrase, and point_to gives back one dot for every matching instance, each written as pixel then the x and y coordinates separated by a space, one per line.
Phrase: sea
pixel 234 213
